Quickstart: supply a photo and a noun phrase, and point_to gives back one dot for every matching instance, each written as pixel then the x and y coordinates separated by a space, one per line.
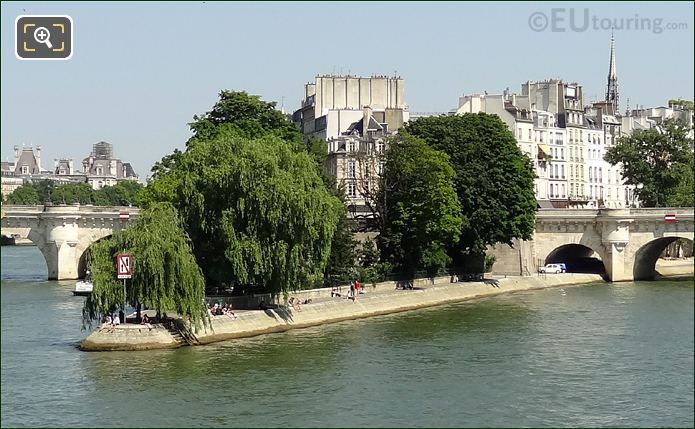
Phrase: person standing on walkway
pixel 352 290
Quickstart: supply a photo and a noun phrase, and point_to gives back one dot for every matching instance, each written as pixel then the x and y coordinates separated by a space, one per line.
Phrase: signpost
pixel 124 215
pixel 670 217
pixel 124 270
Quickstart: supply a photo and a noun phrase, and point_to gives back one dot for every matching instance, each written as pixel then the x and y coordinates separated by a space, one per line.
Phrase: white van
pixel 551 269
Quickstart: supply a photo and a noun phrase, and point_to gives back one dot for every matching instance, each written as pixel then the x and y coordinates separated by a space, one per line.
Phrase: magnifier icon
pixel 42 35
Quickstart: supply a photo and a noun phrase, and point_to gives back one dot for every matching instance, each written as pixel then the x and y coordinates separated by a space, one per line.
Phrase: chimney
pixel 38 158
pixel 16 154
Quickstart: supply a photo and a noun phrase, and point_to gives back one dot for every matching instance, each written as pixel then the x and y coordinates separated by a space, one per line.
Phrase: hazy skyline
pixel 140 71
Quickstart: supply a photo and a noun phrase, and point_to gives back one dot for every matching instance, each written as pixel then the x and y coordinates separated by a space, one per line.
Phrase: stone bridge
pixel 626 242
pixel 63 233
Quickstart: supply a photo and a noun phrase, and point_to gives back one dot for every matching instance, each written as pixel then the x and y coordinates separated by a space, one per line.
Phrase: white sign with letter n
pixel 124 266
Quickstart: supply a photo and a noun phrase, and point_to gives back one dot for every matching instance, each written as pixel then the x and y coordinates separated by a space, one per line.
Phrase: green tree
pixel 421 215
pixel 45 189
pixel 494 180
pixel 654 160
pixel 249 115
pixel 340 267
pixel 685 104
pixel 27 194
pixel 256 209
pixel 369 255
pixel 165 274
pixel 123 193
pixel 682 195
pixel 72 193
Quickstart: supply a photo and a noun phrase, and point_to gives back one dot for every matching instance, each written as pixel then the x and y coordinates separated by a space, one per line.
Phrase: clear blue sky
pixel 140 71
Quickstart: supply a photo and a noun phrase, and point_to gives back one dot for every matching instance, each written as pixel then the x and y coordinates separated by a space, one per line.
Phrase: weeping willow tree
pixel 257 210
pixel 166 276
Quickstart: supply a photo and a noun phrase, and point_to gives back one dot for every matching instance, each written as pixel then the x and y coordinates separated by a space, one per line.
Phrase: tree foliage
pixel 165 274
pixel 249 115
pixel 420 212
pixel 258 205
pixel 683 193
pixel 123 193
pixel 656 161
pixel 494 180
pixel 685 104
pixel 27 194
pixel 341 261
pixel 256 209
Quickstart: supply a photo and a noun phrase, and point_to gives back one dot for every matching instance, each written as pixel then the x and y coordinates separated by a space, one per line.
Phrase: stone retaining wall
pixel 379 300
pixel 129 337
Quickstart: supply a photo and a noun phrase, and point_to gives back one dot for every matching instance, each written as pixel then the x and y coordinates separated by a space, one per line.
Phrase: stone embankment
pixel 380 299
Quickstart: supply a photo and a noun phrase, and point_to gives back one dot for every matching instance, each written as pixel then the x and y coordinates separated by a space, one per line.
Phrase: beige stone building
pixel 354 116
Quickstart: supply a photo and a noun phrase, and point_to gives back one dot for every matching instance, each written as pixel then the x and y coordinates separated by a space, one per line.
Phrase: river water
pixel 595 355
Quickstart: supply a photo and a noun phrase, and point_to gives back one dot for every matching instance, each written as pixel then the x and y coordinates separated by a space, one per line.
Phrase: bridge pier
pixel 63 233
pixel 615 238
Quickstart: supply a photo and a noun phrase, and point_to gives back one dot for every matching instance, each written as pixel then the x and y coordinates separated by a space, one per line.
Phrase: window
pixel 572 173
pixel 351 169
pixel 600 174
pixel 381 168
pixel 380 146
pixel 352 190
pixel 562 153
pixel 352 146
pixel 563 191
pixel 520 134
pixel 562 171
pixel 25 169
pixel 591 176
pixel 529 135
pixel 100 171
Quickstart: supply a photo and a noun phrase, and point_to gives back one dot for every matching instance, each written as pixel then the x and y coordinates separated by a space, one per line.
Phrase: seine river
pixel 596 355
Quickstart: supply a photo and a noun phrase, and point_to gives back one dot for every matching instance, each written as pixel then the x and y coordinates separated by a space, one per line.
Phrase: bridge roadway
pixel 626 241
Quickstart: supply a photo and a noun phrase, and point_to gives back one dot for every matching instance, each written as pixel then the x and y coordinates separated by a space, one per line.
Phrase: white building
pixel 354 115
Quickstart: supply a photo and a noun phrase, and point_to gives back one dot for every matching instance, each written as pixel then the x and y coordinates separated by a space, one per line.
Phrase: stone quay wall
pixel 378 300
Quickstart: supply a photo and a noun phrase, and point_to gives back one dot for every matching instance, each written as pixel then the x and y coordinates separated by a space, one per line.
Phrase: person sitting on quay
pixel 145 319
pixel 227 311
pixel 294 302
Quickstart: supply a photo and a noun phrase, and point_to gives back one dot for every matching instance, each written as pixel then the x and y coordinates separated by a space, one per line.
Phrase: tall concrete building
pixel 566 102
pixel 354 116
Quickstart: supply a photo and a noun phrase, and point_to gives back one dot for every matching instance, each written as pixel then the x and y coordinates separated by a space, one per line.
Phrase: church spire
pixel 612 90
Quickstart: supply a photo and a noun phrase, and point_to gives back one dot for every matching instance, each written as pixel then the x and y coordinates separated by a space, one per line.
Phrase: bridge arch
pixel 644 265
pixel 579 258
pixel 82 251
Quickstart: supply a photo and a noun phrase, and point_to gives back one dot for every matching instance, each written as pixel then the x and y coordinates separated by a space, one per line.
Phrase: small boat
pixel 83 287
